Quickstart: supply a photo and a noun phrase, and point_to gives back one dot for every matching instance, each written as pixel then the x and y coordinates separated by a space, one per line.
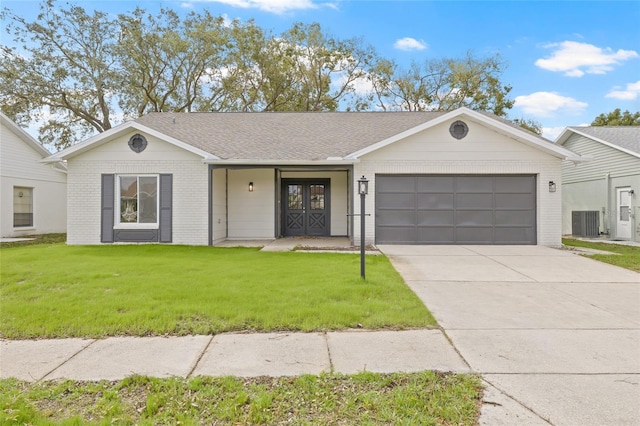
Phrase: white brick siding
pixel 190 199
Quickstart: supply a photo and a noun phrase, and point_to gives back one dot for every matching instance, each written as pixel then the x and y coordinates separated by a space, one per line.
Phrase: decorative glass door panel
pixel 305 207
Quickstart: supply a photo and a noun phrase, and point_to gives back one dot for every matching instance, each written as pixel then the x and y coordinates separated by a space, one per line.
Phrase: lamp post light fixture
pixel 363 189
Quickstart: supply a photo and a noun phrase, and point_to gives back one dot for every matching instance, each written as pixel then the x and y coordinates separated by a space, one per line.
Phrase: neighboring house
pixel 459 177
pixel 33 195
pixel 600 197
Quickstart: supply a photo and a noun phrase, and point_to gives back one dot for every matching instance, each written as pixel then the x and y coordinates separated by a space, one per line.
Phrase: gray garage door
pixel 421 209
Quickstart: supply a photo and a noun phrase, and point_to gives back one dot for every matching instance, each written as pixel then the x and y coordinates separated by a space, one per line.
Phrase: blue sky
pixel 568 61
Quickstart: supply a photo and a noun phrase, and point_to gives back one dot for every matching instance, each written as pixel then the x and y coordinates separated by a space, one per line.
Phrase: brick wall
pixel 190 186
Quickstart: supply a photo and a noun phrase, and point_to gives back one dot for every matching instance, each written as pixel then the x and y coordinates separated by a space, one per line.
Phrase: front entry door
pixel 623 207
pixel 305 205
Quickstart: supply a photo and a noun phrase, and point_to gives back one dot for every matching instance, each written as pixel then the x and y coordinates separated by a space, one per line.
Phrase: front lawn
pixel 426 398
pixel 54 290
pixel 621 255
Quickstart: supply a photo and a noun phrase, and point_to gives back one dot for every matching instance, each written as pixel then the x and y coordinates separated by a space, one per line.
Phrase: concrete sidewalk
pixel 244 355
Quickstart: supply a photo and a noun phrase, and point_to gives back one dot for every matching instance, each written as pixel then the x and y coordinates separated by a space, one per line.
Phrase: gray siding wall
pixel 605 160
pixel 585 185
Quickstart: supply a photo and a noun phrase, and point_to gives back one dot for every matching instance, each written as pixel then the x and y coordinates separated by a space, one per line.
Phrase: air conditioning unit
pixel 585 223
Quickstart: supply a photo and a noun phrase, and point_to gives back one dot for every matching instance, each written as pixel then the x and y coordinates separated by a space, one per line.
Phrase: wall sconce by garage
pixel 552 186
pixel 250 186
pixel 631 192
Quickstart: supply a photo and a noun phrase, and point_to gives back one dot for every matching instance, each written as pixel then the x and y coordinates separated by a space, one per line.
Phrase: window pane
pixel 317 197
pixel 148 200
pixel 295 197
pixel 128 199
pixel 22 206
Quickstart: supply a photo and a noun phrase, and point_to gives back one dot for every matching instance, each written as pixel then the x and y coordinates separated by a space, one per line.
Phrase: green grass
pixel 54 290
pixel 426 398
pixel 621 255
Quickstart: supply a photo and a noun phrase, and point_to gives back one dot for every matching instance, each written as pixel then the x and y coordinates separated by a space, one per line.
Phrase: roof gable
pixel 111 134
pixel 622 138
pixel 24 136
pixel 490 121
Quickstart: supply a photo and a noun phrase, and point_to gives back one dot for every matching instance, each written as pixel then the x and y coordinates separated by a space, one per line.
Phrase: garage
pixel 455 209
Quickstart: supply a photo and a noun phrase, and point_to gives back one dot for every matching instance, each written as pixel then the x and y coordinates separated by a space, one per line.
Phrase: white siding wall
pixel 190 185
pixel 585 185
pixel 20 167
pixel 219 212
pixel 339 197
pixel 251 214
pixel 483 151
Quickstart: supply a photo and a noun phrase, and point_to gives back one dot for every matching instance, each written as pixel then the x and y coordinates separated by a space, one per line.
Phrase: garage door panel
pixel 431 184
pixel 515 201
pixel 396 218
pixel 396 184
pixel 514 235
pixel 456 209
pixel 398 201
pixel 474 218
pixel 515 218
pixel 435 201
pixel 399 235
pixel 474 235
pixel 515 184
pixel 440 235
pixel 474 201
pixel 435 218
pixel 474 184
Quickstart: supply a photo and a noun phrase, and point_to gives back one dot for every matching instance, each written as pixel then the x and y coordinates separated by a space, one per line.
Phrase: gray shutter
pixel 166 195
pixel 106 208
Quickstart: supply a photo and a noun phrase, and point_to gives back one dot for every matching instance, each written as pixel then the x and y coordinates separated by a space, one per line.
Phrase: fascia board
pixel 276 162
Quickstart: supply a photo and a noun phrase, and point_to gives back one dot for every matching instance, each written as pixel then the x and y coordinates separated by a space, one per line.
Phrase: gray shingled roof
pixel 627 137
pixel 284 136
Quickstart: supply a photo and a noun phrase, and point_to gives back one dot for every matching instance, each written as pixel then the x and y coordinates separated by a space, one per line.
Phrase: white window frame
pixel 13 208
pixel 129 225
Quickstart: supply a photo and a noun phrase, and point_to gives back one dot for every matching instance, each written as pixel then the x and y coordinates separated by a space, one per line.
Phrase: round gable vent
pixel 459 129
pixel 137 143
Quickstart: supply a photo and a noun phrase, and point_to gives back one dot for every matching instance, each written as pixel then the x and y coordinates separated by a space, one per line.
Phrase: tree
pixel 616 118
pixel 529 124
pixel 65 69
pixel 442 85
pixel 85 69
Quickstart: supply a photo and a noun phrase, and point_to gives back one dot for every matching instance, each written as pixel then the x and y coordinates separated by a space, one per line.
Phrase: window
pixel 138 200
pixel 22 206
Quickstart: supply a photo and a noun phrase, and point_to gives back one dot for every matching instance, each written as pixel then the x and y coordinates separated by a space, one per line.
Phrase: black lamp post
pixel 363 188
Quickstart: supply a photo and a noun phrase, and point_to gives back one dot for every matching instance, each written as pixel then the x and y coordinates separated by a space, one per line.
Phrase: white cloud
pixel 576 59
pixel 273 6
pixel 545 104
pixel 629 94
pixel 409 43
pixel 552 133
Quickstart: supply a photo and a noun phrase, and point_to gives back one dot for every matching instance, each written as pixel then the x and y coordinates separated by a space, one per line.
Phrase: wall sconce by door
pixel 250 186
pixel 552 186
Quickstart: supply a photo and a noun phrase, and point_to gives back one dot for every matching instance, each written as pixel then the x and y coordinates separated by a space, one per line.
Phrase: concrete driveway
pixel 556 336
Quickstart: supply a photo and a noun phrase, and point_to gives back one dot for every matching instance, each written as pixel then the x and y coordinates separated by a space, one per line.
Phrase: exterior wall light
pixel 250 186
pixel 552 186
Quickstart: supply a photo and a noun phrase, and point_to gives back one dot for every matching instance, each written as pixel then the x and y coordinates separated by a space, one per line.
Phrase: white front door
pixel 623 207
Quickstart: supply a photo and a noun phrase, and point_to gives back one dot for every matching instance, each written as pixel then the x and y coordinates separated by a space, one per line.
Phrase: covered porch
pixel 267 202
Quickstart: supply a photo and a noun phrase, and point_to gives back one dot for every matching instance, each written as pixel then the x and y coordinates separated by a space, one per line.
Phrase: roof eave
pixel 276 162
pixel 564 137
